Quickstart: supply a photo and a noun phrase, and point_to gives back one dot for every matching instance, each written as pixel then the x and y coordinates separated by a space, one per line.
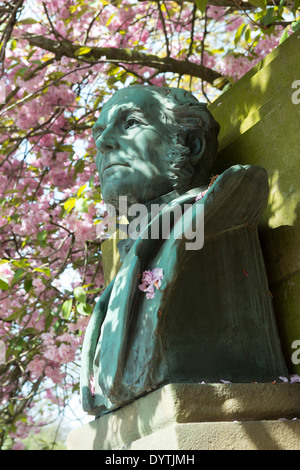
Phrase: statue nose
pixel 107 141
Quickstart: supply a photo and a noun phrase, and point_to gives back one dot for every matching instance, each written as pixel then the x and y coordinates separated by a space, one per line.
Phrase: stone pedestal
pixel 200 417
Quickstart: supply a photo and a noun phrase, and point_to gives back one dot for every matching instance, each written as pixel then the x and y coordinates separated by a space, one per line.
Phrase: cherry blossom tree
pixel 60 61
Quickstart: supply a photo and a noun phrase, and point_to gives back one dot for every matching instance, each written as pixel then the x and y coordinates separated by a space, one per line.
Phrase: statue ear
pixel 197 146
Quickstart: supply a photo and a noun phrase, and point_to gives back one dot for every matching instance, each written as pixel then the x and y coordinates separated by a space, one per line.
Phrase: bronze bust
pixel 209 316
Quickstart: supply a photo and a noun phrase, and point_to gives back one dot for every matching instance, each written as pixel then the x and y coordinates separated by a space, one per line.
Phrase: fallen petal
pixel 284 379
pixel 294 378
pixel 200 195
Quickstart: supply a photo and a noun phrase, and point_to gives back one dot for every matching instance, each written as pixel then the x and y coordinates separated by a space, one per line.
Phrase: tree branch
pixel 242 4
pixel 10 13
pixel 124 56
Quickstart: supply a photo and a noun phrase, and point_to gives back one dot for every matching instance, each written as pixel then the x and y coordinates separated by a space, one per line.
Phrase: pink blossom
pixel 36 367
pixel 150 281
pixel 284 379
pixel 51 353
pixel 200 195
pixel 294 378
pixel 48 338
pixel 80 325
pixel 266 45
pixel 215 12
pixel 54 398
pixel 236 66
pixel 31 85
pixel 2 91
pixel 234 24
pixel 54 373
pixel 35 320
pixel 39 285
pixel 208 59
pixel 18 446
pixel 6 271
pixel 66 352
pixel 92 386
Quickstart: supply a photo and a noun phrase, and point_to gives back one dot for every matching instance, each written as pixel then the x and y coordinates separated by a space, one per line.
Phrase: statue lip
pixel 110 165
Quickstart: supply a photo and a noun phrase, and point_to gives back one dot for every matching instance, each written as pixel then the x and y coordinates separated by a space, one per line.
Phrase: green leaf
pixel 22 418
pixel 201 5
pixel 91 181
pixel 21 263
pixel 110 19
pixel 57 324
pixel 14 316
pixel 268 17
pixel 27 285
pixel 65 148
pixel 239 33
pixel 113 70
pixel 69 204
pixel 44 271
pixel 248 35
pixel 11 408
pixel 80 190
pixel 82 50
pixel 48 321
pixel 31 54
pixel 21 72
pixel 80 294
pixel 66 309
pixel 97 101
pixel 284 36
pixel 29 331
pixel 27 21
pixel 19 272
pixel 4 283
pixel 84 309
pixel 42 236
pixel 79 167
pixel 75 388
pixel 81 205
pixel 295 25
pixel 94 291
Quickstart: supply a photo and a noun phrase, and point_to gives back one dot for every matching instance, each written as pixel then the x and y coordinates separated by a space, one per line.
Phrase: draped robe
pixel 212 317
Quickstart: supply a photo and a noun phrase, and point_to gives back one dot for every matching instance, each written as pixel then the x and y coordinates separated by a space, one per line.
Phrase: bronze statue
pixel 206 314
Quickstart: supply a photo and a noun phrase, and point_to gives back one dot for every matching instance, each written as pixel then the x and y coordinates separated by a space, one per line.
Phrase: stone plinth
pixel 200 417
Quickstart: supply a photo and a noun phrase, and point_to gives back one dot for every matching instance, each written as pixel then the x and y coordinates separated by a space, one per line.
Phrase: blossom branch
pixel 242 4
pixel 126 56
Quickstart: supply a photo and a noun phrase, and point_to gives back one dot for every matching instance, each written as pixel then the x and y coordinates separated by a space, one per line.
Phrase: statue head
pixel 151 140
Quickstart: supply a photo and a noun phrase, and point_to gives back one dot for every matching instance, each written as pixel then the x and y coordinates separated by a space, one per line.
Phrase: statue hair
pixel 194 128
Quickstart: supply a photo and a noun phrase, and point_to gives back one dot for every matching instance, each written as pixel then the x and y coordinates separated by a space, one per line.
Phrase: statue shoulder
pixel 243 176
pixel 238 196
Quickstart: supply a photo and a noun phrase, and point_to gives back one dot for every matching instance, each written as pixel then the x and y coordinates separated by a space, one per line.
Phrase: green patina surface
pixel 260 125
pixel 211 316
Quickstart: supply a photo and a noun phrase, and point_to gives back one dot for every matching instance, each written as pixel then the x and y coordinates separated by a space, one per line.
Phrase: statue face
pixel 131 142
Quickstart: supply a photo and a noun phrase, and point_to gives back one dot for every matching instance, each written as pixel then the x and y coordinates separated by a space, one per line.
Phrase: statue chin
pixel 143 194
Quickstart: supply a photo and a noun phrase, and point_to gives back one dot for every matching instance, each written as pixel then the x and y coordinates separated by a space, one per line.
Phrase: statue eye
pixel 131 122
